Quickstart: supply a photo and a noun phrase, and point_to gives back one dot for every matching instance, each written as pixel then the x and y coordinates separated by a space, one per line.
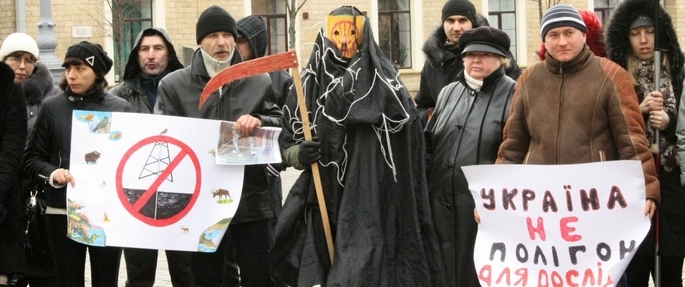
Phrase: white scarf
pixel 473 83
pixel 214 66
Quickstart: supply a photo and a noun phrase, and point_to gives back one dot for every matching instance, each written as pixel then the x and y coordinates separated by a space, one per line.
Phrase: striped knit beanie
pixel 561 16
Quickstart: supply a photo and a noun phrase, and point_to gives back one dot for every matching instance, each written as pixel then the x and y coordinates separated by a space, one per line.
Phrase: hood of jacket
pixel 254 30
pixel 38 85
pixel 616 33
pixel 132 69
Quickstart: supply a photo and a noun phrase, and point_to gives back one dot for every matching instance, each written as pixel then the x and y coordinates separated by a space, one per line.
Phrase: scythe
pixel 268 64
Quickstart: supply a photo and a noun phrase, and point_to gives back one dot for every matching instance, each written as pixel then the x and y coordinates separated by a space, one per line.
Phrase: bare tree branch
pixel 292 8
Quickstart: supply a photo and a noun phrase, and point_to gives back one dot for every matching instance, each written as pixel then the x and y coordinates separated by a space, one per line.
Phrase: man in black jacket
pixel 444 60
pixel 153 57
pixel 250 103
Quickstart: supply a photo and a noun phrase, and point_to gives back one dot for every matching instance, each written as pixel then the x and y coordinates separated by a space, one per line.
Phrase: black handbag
pixel 36 245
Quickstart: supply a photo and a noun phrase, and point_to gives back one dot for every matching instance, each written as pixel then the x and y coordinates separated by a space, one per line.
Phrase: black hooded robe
pixel 372 171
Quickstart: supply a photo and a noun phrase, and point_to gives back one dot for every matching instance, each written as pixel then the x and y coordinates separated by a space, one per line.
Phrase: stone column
pixel 47 41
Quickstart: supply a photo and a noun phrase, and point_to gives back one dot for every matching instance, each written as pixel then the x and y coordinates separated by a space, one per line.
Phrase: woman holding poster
pixel 466 129
pixel 47 158
pixel 631 40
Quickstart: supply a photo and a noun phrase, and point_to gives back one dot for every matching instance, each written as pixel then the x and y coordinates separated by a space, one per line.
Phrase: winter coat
pixel 671 212
pixel 179 95
pixel 465 129
pixel 12 141
pixel 50 146
pixel 372 173
pixel 555 121
pixel 37 88
pixel 130 90
pixel 442 66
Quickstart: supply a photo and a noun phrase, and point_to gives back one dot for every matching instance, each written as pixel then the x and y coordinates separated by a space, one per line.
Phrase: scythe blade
pixel 282 61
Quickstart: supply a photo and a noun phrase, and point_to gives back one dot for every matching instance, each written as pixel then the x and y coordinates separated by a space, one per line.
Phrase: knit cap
pixel 561 16
pixel 253 29
pixel 459 7
pixel 93 55
pixel 19 42
pixel 214 19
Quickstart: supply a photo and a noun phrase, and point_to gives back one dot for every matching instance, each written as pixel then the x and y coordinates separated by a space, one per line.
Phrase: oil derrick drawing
pixel 157 161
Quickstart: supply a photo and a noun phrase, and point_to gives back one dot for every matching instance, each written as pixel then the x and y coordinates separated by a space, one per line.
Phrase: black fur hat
pixel 618 29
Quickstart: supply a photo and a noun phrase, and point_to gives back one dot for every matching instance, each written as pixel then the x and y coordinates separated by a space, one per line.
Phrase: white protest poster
pixel 149 181
pixel 557 225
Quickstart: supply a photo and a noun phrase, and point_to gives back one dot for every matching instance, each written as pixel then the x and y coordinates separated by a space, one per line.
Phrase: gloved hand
pixel 309 151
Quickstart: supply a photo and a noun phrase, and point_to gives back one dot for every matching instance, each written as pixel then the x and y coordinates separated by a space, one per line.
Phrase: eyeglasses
pixel 17 61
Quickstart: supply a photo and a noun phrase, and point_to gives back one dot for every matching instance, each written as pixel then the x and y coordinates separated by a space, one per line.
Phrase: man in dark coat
pixel 12 140
pixel 444 61
pixel 152 57
pixel 371 157
pixel 250 103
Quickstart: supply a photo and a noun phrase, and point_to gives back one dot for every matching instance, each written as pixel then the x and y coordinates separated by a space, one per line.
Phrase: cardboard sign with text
pixel 557 225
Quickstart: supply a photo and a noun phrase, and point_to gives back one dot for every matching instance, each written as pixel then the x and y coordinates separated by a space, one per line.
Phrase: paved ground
pixel 162 279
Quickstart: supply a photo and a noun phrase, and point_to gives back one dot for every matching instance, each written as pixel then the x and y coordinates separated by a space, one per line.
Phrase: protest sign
pixel 557 225
pixel 150 181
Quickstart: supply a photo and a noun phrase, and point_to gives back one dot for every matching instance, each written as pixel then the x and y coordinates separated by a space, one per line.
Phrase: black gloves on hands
pixel 310 151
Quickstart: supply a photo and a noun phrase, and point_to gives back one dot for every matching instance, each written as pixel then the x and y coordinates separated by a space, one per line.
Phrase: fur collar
pixel 618 44
pixel 38 85
pixel 435 49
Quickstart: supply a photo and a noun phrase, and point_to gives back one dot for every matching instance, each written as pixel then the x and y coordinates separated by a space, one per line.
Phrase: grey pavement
pixel 162 279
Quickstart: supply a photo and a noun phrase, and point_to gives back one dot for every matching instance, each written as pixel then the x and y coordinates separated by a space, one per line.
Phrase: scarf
pixel 473 83
pixel 643 72
pixel 214 66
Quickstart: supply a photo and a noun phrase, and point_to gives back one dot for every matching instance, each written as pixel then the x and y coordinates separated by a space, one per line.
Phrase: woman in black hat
pixel 466 129
pixel 630 39
pixel 47 158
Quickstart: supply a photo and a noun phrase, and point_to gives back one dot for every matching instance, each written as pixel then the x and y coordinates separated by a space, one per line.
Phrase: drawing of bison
pixel 92 157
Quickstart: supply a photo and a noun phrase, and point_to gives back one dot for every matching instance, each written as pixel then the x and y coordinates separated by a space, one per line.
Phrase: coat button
pixel 459 126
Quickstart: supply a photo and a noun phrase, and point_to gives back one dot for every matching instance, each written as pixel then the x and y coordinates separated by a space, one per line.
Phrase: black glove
pixel 309 151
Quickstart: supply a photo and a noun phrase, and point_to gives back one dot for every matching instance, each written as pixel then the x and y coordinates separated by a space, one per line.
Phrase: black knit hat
pixel 459 7
pixel 214 19
pixel 93 55
pixel 485 39
pixel 561 16
pixel 253 29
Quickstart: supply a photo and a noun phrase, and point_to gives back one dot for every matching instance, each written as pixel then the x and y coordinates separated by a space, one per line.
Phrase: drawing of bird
pixel 163 132
pixel 103 125
pixel 88 117
pixel 106 219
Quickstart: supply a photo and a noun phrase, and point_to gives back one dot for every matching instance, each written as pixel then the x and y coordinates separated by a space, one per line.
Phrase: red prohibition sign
pixel 135 208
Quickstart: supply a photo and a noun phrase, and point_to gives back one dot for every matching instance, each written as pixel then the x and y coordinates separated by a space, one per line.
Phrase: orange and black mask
pixel 345 29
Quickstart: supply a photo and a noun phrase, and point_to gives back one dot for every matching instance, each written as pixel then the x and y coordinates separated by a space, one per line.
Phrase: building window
pixel 394 31
pixel 603 9
pixel 274 14
pixel 502 16
pixel 129 17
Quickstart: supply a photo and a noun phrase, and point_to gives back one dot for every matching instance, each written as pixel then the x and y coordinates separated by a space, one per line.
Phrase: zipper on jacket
pixel 561 105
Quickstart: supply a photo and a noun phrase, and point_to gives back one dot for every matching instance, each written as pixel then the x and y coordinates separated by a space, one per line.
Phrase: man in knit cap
pixel 152 57
pixel 444 61
pixel 575 107
pixel 250 103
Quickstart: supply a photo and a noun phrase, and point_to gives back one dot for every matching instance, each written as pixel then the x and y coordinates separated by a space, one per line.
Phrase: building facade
pixel 400 26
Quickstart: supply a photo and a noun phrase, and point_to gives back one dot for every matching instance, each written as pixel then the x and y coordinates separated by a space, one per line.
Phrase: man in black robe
pixel 370 151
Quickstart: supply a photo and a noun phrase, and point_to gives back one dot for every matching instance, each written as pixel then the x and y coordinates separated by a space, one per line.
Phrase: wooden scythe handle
pixel 315 166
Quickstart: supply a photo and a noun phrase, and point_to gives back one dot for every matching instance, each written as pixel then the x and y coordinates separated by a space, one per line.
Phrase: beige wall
pixel 181 15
